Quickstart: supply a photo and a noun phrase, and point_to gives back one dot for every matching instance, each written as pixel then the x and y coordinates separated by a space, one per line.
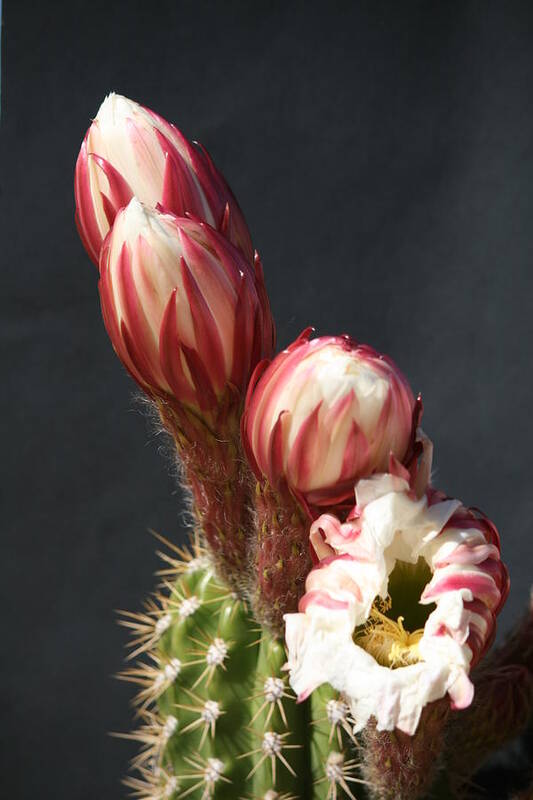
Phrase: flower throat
pixel 395 626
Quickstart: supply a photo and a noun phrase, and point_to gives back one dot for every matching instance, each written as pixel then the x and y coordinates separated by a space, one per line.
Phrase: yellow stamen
pixel 388 641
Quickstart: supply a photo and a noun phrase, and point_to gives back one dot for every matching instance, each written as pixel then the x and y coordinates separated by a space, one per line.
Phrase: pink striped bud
pixel 130 150
pixel 324 413
pixel 187 315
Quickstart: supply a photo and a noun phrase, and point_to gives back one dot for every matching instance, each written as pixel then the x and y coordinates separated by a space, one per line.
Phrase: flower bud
pixel 189 318
pixel 186 314
pixel 324 413
pixel 130 150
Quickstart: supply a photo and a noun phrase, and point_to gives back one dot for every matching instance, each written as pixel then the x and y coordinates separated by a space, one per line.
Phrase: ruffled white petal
pixel 390 524
pixel 321 650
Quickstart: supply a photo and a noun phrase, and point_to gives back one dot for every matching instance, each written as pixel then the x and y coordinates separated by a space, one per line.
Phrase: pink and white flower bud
pixel 324 413
pixel 187 315
pixel 130 150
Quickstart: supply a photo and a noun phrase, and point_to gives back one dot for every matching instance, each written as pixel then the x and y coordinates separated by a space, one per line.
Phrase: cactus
pixel 218 718
pixel 317 524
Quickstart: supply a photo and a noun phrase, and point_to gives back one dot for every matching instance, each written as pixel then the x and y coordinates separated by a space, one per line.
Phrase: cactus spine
pixel 218 718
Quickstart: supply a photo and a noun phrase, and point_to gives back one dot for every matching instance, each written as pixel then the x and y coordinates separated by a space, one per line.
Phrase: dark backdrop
pixel 383 156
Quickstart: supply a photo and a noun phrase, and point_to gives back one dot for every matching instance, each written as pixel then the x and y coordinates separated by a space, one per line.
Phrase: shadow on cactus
pixel 326 635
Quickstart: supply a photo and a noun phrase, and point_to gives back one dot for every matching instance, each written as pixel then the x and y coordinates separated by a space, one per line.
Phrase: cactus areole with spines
pixel 215 702
pixel 325 635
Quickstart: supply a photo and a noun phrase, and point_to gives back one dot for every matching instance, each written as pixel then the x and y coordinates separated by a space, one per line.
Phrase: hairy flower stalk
pixel 518 645
pixel 189 319
pixel 324 413
pixel 501 710
pixel 398 766
pixel 129 151
pixel 281 558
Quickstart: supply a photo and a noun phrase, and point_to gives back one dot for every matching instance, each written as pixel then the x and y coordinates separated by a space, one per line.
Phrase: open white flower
pixel 401 605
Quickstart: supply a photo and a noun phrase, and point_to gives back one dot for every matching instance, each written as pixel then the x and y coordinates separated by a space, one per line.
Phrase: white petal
pixel 391 525
pixel 321 650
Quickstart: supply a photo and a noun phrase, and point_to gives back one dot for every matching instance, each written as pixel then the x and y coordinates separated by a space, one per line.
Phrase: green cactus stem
pixel 219 721
pixel 218 717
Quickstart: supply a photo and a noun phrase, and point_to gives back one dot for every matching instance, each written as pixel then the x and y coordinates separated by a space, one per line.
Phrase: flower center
pixel 388 641
pixel 384 634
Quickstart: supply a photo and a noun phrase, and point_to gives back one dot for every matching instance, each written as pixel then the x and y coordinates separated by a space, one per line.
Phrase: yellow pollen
pixel 388 641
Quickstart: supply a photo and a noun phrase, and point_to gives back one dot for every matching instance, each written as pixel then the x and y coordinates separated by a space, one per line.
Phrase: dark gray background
pixel 382 153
